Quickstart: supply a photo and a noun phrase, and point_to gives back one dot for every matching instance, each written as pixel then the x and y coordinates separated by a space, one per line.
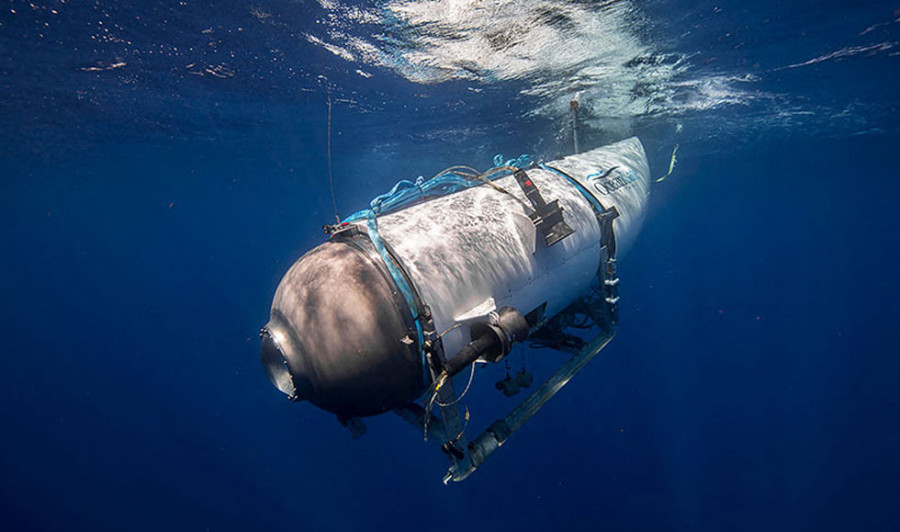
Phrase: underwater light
pixel 442 273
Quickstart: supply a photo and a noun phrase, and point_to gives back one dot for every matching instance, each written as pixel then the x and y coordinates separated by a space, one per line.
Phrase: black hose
pixel 470 352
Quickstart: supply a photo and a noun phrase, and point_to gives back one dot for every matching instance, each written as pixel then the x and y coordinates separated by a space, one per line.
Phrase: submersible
pixel 442 273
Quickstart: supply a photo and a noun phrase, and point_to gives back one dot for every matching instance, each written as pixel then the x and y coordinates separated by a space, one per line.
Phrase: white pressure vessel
pixel 346 328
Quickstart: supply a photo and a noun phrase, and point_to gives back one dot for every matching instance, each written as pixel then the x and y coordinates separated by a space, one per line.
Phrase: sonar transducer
pixel 440 274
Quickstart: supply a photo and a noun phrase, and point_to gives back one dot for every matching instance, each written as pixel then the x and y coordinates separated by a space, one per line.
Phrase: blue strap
pixel 404 194
pixel 400 281
pixel 522 161
pixel 584 192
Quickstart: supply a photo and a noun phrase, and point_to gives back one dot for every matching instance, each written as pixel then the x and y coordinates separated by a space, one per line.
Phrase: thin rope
pixel 464 392
pixel 483 178
pixel 433 399
pixel 337 218
pixel 573 106
pixel 448 329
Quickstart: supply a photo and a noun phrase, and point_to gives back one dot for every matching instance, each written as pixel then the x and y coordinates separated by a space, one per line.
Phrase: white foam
pixel 559 50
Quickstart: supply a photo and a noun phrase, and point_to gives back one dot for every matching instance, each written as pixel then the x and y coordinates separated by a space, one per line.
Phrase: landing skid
pixel 469 457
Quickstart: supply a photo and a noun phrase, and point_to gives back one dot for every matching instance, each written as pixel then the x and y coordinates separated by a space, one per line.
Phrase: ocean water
pixel 163 163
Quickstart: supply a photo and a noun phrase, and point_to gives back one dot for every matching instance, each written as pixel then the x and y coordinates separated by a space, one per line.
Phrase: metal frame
pixel 449 429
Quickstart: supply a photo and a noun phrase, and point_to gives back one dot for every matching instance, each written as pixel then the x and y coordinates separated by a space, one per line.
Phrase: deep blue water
pixel 164 163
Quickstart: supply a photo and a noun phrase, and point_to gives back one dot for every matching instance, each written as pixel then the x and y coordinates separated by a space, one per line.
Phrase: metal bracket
pixel 346 228
pixel 547 217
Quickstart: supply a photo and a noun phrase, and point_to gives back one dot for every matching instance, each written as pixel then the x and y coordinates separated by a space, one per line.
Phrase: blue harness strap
pixel 404 194
pixel 402 284
pixel 584 192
